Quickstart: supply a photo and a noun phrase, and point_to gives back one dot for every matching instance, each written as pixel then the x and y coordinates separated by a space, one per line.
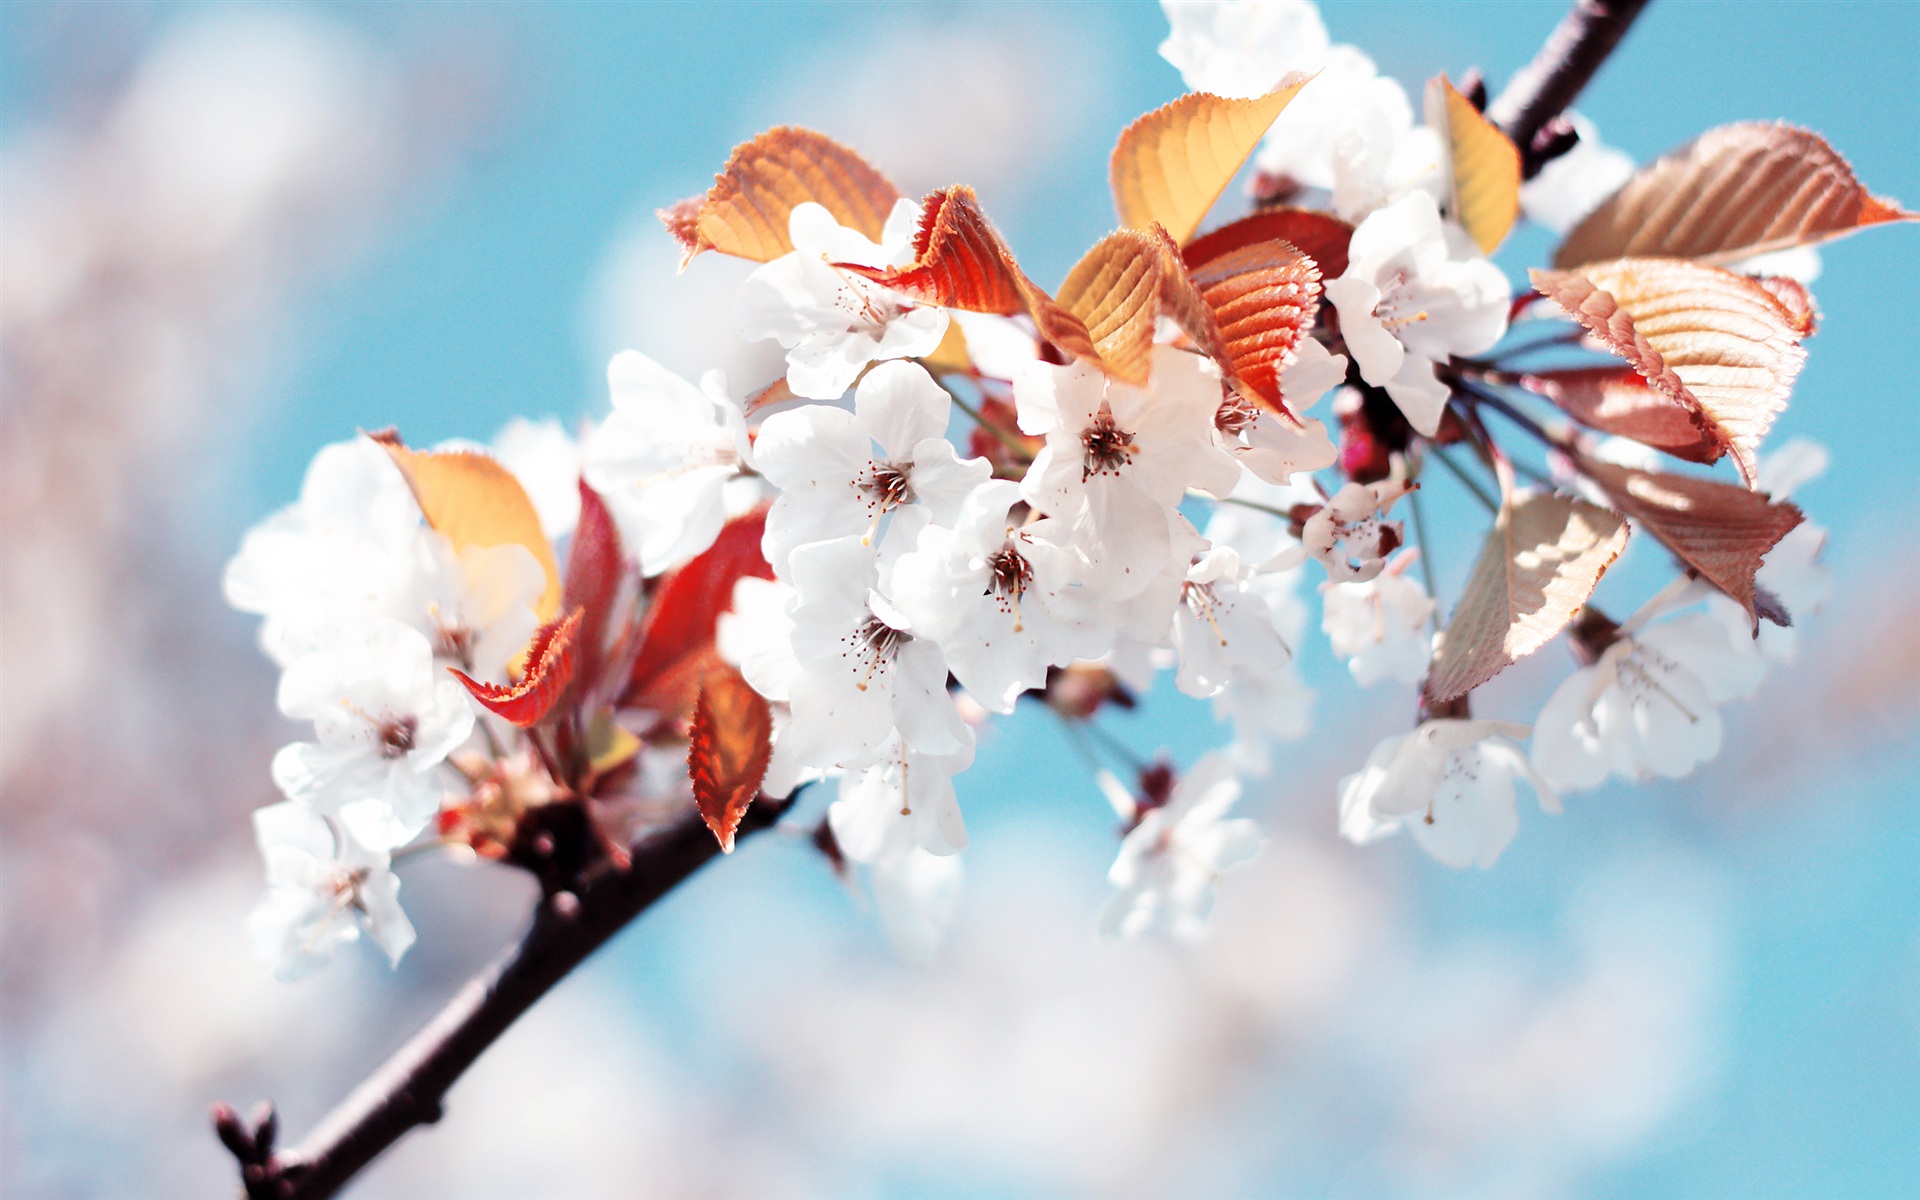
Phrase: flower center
pixel 873 646
pixel 1108 447
pixel 1394 301
pixel 396 736
pixel 886 486
pixel 1205 604
pixel 1008 576
pixel 1236 415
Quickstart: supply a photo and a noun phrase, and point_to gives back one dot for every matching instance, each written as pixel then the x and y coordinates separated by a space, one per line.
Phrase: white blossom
pixel 1274 704
pixel 1348 534
pixel 323 888
pixel 1242 48
pixel 1273 446
pixel 1380 625
pixel 832 483
pixel 1577 182
pixel 1380 157
pixel 1450 782
pixel 1415 293
pixel 545 458
pixel 385 719
pixel 918 895
pixel 476 605
pixel 901 802
pixel 1223 628
pixel 1165 875
pixel 664 458
pixel 832 321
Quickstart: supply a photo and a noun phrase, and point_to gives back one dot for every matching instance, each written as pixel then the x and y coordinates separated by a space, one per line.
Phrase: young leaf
pixel 1264 296
pixel 595 571
pixel 727 750
pixel 1734 192
pixel 676 641
pixel 960 261
pixel 1483 167
pixel 551 659
pixel 1320 237
pixel 1172 164
pixel 1716 342
pixel 1119 290
pixel 475 501
pixel 1540 562
pixel 745 212
pixel 1618 400
pixel 1721 531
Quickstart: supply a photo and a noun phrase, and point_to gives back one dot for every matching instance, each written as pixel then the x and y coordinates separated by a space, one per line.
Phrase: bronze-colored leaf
pixel 1618 400
pixel 1116 291
pixel 745 212
pixel 1483 166
pixel 1720 531
pixel 1172 164
pixel 551 659
pixel 1541 561
pixel 1734 192
pixel 1264 296
pixel 475 501
pixel 1317 235
pixel 676 640
pixel 727 750
pixel 1714 341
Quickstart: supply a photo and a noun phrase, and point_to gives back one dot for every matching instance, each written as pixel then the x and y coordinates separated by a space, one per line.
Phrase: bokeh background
pixel 230 233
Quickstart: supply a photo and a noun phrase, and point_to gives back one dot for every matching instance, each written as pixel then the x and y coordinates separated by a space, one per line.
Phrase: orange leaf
pixel 1172 164
pixel 1618 400
pixel 727 750
pixel 1721 531
pixel 1115 290
pixel 1264 297
pixel 475 501
pixel 745 212
pixel 961 262
pixel 1716 342
pixel 1483 166
pixel 1734 192
pixel 676 641
pixel 551 656
pixel 1542 559
pixel 1320 237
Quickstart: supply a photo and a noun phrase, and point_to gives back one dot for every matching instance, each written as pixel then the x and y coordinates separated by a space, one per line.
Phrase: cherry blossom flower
pixel 1273 446
pixel 323 888
pixel 1223 628
pixel 901 802
pixel 1451 783
pixel 1649 706
pixel 1177 846
pixel 918 895
pixel 475 605
pixel 1348 535
pixel 1004 601
pixel 664 458
pixel 834 322
pixel 863 674
pixel 1380 157
pixel 386 718
pixel 1118 459
pixel 1574 184
pixel 1240 48
pixel 1275 704
pixel 832 483
pixel 1415 293
pixel 1380 625
pixel 545 458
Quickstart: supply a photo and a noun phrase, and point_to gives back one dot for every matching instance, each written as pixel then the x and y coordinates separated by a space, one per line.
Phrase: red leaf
pixel 551 658
pixel 1264 297
pixel 595 571
pixel 1320 237
pixel 1617 400
pixel 1721 531
pixel 727 750
pixel 676 641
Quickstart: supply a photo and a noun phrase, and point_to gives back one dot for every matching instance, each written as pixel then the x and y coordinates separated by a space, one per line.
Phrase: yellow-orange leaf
pixel 1734 192
pixel 745 212
pixel 1115 291
pixel 727 751
pixel 1541 561
pixel 1172 164
pixel 1483 166
pixel 1263 296
pixel 474 501
pixel 1714 341
pixel 1721 531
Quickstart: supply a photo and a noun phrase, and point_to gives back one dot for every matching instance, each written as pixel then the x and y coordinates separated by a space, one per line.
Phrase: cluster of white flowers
pixel 942 540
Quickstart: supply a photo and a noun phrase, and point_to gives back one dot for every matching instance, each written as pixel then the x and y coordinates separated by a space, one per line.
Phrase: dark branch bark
pixel 1546 87
pixel 407 1090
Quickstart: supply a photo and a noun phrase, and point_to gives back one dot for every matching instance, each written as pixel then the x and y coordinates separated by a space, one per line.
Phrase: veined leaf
pixel 745 212
pixel 1618 400
pixel 1263 296
pixel 676 641
pixel 474 501
pixel 1172 164
pixel 551 658
pixel 1320 237
pixel 1483 166
pixel 1117 290
pixel 727 750
pixel 1541 561
pixel 1714 341
pixel 1734 192
pixel 1721 531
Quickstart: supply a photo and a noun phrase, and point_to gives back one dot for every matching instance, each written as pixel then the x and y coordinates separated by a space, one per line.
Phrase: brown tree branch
pixel 1545 88
pixel 408 1089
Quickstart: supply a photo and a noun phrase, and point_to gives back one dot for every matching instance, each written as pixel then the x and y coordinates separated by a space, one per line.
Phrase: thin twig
pixel 410 1087
pixel 1546 87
